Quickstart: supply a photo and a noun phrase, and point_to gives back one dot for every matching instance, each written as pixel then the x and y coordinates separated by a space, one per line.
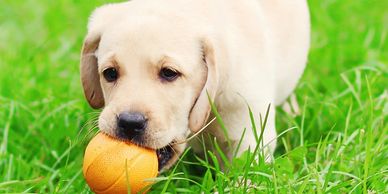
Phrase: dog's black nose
pixel 131 124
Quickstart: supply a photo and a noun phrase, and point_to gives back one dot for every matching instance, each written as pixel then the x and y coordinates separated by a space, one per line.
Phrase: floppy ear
pixel 89 71
pixel 201 109
pixel 99 20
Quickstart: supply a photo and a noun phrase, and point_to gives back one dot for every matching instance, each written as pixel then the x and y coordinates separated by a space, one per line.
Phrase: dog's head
pixel 152 77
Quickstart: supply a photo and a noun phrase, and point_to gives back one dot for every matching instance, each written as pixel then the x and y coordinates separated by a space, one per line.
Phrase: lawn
pixel 338 144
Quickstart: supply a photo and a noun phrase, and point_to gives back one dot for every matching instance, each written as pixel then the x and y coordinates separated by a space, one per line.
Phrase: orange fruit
pixel 113 166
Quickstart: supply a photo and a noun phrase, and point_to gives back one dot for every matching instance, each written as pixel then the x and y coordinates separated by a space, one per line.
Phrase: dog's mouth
pixel 164 154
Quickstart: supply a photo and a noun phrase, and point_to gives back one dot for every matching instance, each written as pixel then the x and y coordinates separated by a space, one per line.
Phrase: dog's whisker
pixel 88 132
pixel 92 124
pixel 195 134
pixel 93 113
pixel 172 148
pixel 88 123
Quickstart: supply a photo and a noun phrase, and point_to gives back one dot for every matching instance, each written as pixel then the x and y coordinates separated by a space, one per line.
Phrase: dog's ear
pixel 201 109
pixel 89 71
pixel 100 19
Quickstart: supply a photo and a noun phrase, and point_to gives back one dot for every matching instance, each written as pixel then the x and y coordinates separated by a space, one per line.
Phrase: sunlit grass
pixel 338 144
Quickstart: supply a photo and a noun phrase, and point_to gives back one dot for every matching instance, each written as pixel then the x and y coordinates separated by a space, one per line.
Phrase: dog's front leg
pixel 260 132
pixel 236 122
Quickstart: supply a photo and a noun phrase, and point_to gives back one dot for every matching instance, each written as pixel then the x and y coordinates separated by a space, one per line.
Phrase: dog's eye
pixel 168 74
pixel 110 74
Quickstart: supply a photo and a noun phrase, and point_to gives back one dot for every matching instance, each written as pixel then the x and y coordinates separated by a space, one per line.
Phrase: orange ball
pixel 113 166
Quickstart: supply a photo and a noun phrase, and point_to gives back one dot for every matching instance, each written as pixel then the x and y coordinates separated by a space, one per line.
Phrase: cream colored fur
pixel 254 53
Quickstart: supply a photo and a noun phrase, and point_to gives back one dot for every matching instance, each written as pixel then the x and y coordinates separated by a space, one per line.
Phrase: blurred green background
pixel 343 95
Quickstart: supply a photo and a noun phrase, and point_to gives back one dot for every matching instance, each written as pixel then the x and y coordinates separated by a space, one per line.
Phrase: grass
pixel 338 144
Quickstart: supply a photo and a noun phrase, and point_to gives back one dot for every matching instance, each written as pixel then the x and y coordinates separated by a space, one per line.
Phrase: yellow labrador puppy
pixel 151 65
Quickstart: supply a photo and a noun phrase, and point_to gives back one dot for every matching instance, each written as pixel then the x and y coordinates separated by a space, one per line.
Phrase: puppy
pixel 152 64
